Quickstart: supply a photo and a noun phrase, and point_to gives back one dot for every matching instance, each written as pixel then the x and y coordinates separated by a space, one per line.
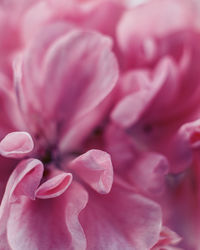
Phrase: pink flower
pixel 156 116
pixel 60 196
pixel 163 77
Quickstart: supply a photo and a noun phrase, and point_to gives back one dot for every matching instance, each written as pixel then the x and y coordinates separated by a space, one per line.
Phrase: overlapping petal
pixel 22 182
pixel 50 223
pixel 95 168
pixel 144 38
pixel 54 186
pixel 71 75
pixel 134 224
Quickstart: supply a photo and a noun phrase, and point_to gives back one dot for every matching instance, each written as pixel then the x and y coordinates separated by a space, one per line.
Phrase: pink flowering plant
pixel 99 125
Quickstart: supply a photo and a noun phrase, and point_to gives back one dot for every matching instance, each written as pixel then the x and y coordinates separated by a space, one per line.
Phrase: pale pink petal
pixel 95 168
pixel 123 220
pixel 102 16
pixel 168 240
pixel 23 182
pixel 140 34
pixel 90 85
pixel 190 134
pixel 148 173
pixel 10 117
pixel 97 15
pixel 54 187
pixel 134 105
pixel 16 145
pixel 33 23
pixel 58 58
pixel 48 224
pixel 74 137
pixel 145 170
pixel 182 147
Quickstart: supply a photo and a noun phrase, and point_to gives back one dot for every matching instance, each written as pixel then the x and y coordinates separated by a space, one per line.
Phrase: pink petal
pixel 16 145
pixel 133 106
pixel 139 33
pixel 74 137
pixel 10 117
pixel 102 16
pixel 148 173
pixel 167 239
pixel 48 224
pixel 58 58
pixel 123 220
pixel 190 134
pixel 23 182
pixel 95 168
pixel 90 82
pixel 54 186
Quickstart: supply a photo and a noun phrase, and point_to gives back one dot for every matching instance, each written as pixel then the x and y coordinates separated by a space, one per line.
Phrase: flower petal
pixel 134 105
pixel 54 67
pixel 95 168
pixel 148 173
pixel 190 134
pixel 167 239
pixel 23 182
pixel 48 224
pixel 138 33
pixel 16 145
pixel 54 186
pixel 123 220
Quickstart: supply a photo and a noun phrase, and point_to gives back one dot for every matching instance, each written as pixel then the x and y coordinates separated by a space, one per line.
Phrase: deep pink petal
pixel 7 166
pixel 95 168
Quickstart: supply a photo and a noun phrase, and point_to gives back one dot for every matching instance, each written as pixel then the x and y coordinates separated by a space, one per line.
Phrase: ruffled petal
pixel 156 93
pixel 23 182
pixel 95 168
pixel 123 220
pixel 48 224
pixel 148 173
pixel 58 58
pixel 54 186
pixel 168 240
pixel 139 35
